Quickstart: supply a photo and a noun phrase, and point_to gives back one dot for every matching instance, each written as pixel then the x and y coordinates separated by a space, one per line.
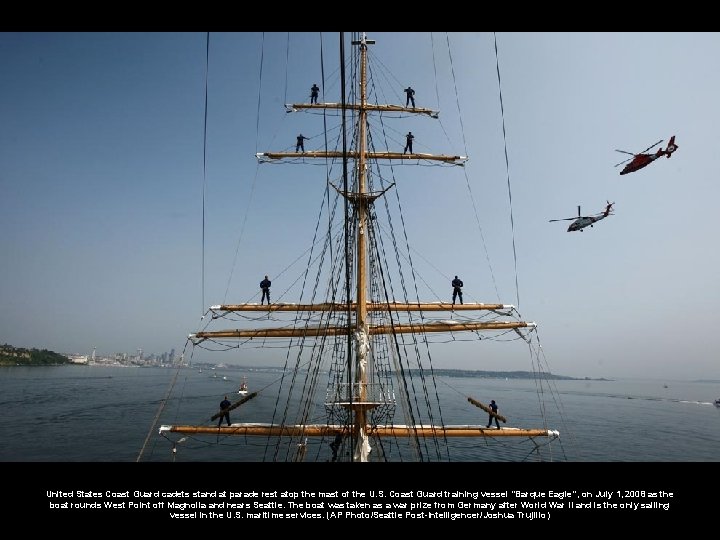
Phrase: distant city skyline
pixel 168 356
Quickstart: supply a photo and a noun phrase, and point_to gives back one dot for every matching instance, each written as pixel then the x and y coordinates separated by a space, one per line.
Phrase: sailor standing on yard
pixel 408 142
pixel 410 96
pixel 314 92
pixel 300 145
pixel 265 286
pixel 457 285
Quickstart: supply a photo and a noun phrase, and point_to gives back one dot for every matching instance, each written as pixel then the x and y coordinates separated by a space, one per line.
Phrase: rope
pixel 204 184
pixel 467 178
pixel 257 120
pixel 287 62
pixel 539 356
pixel 161 407
pixel 437 90
pixel 325 130
pixel 257 170
pixel 291 374
pixel 507 168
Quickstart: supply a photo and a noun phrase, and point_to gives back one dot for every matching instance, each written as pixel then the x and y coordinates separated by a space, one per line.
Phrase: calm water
pixel 83 414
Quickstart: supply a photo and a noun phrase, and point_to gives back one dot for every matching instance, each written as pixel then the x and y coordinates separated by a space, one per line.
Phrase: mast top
pixel 364 41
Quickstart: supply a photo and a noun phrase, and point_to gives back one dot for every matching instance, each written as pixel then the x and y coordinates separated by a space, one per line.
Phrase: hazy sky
pixel 101 168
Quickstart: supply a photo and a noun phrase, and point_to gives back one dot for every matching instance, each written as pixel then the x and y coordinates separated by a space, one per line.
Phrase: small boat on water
pixel 243 390
pixel 717 402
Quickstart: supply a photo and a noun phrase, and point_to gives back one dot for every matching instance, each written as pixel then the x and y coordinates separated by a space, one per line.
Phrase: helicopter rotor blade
pixel 624 152
pixel 618 164
pixel 653 146
pixel 563 219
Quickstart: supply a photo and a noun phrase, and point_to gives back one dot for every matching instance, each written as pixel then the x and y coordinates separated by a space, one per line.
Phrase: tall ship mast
pixel 358 382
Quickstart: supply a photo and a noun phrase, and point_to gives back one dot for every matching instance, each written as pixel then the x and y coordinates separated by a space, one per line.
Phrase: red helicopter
pixel 580 222
pixel 638 161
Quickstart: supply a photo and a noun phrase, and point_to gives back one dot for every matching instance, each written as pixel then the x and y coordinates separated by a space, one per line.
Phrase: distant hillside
pixel 499 374
pixel 439 372
pixel 15 356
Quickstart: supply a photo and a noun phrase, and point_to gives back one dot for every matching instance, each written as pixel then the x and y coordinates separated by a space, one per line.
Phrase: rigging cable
pixel 346 212
pixel 467 179
pixel 507 168
pixel 257 168
pixel 257 119
pixel 540 353
pixel 312 375
pixel 437 91
pixel 287 62
pixel 204 185
pixel 161 407
pixel 325 133
pixel 421 445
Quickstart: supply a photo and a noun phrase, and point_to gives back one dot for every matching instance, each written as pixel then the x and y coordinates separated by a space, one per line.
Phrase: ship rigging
pixel 364 337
